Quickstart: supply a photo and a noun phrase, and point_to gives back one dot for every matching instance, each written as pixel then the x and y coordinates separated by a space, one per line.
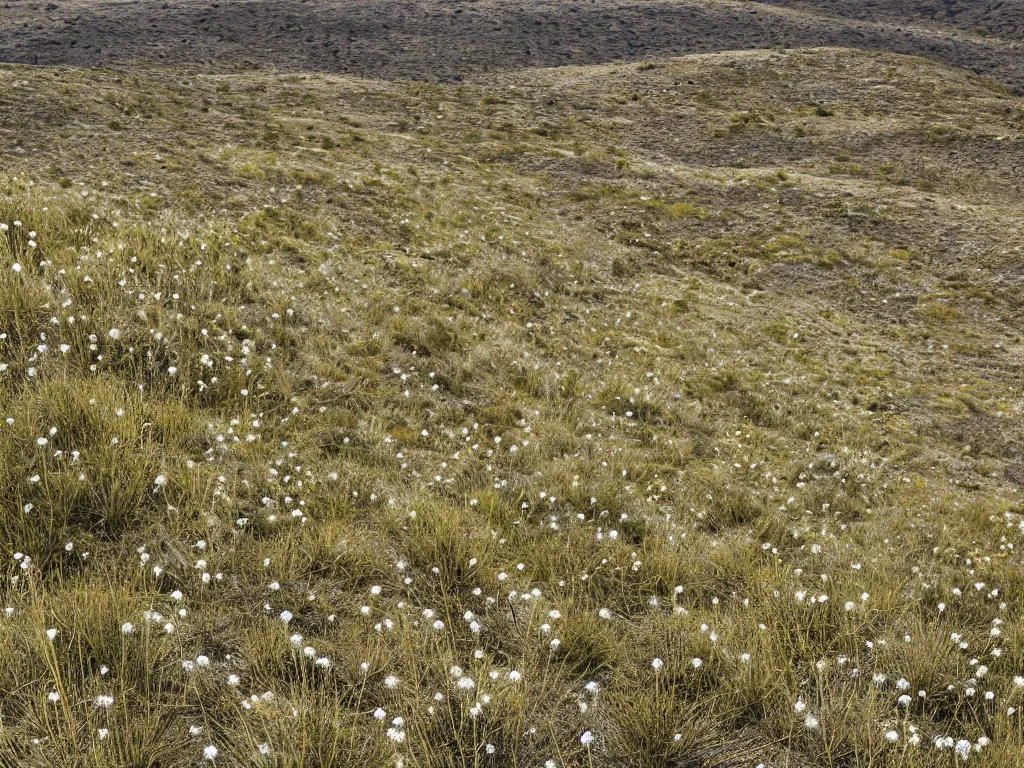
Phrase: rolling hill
pixel 652 413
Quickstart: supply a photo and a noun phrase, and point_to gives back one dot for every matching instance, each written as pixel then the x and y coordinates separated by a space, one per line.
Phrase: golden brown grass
pixel 561 425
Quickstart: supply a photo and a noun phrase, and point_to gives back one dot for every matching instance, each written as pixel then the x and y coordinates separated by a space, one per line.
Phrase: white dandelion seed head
pixel 963 749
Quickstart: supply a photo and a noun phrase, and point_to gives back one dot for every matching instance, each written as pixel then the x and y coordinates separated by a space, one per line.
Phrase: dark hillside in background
pixel 444 40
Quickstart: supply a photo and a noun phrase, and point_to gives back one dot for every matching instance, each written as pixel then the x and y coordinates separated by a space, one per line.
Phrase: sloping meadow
pixel 660 415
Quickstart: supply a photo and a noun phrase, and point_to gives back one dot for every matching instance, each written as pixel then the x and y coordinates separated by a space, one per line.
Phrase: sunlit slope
pixel 660 414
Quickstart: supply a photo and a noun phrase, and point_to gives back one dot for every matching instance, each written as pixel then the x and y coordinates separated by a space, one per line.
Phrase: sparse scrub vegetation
pixel 462 445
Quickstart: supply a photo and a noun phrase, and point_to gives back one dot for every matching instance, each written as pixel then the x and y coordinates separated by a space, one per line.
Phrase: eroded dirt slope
pixel 998 18
pixel 444 40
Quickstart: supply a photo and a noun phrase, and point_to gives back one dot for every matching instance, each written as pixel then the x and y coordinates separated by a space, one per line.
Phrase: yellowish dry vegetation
pixel 617 416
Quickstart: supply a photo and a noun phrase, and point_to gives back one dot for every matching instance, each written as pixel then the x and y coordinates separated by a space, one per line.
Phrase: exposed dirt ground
pixel 999 18
pixel 444 40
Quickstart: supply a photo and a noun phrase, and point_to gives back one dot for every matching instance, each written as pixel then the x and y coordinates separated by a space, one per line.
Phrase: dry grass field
pixel 646 414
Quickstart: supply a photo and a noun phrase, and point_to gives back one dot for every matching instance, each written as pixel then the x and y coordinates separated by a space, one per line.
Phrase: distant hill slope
pixel 444 40
pixel 998 18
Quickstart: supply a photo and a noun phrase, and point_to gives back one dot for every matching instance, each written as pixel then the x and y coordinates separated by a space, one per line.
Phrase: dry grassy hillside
pixel 662 414
pixel 447 40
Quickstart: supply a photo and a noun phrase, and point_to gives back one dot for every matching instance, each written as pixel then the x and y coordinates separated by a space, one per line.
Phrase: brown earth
pixel 998 18
pixel 444 40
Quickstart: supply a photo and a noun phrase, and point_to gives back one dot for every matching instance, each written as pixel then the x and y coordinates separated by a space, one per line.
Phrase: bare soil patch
pixel 444 40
